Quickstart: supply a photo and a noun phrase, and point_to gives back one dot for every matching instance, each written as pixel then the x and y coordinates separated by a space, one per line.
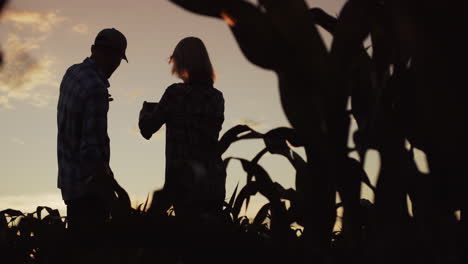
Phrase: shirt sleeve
pixel 152 122
pixel 94 131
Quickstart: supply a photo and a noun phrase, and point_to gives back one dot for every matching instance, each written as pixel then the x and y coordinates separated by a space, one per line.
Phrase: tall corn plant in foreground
pixel 408 89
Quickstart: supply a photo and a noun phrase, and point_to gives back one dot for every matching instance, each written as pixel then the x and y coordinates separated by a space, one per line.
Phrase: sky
pixel 41 39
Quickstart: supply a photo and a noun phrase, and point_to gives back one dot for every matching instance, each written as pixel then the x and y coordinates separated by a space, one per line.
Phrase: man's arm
pixel 151 122
pixel 94 133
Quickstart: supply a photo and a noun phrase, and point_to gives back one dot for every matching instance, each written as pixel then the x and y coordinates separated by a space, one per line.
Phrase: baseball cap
pixel 113 39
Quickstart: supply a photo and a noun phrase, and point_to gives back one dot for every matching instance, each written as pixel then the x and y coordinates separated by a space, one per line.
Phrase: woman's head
pixel 191 62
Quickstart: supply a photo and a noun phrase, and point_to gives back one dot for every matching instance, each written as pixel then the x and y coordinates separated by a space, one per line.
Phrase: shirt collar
pixel 88 61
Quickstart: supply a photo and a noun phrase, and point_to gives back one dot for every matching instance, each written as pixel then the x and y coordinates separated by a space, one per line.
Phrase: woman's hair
pixel 191 62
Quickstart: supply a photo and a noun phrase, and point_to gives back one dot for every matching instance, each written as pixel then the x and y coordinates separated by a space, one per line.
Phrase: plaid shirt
pixel 193 115
pixel 82 141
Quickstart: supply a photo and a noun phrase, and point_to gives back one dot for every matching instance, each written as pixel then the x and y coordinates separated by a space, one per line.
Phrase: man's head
pixel 109 50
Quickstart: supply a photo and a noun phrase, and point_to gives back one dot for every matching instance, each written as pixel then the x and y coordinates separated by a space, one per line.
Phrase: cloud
pixel 22 73
pixel 37 21
pixel 80 28
pixel 20 65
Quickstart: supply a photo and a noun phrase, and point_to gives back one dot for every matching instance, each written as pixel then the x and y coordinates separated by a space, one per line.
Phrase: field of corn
pixel 406 91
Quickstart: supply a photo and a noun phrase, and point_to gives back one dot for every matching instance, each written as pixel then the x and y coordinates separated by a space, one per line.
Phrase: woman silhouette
pixel 193 112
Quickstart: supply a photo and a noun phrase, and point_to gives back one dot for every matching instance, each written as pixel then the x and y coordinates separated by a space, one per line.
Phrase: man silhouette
pixel 84 175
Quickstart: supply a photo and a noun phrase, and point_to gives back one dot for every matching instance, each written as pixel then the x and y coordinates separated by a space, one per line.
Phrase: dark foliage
pixel 408 86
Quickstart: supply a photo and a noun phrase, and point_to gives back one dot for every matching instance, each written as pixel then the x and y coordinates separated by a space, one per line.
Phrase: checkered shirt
pixel 82 141
pixel 193 115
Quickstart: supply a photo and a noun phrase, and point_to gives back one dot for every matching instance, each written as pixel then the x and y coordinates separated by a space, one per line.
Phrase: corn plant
pixel 404 89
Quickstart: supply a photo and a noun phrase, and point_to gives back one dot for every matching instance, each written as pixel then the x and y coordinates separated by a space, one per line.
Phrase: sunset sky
pixel 41 39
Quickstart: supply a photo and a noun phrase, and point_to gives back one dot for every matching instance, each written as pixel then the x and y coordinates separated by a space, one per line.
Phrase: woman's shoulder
pixel 176 88
pixel 184 88
pixel 217 92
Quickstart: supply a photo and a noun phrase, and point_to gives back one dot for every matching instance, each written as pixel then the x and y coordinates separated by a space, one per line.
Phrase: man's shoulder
pixel 72 72
pixel 86 77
